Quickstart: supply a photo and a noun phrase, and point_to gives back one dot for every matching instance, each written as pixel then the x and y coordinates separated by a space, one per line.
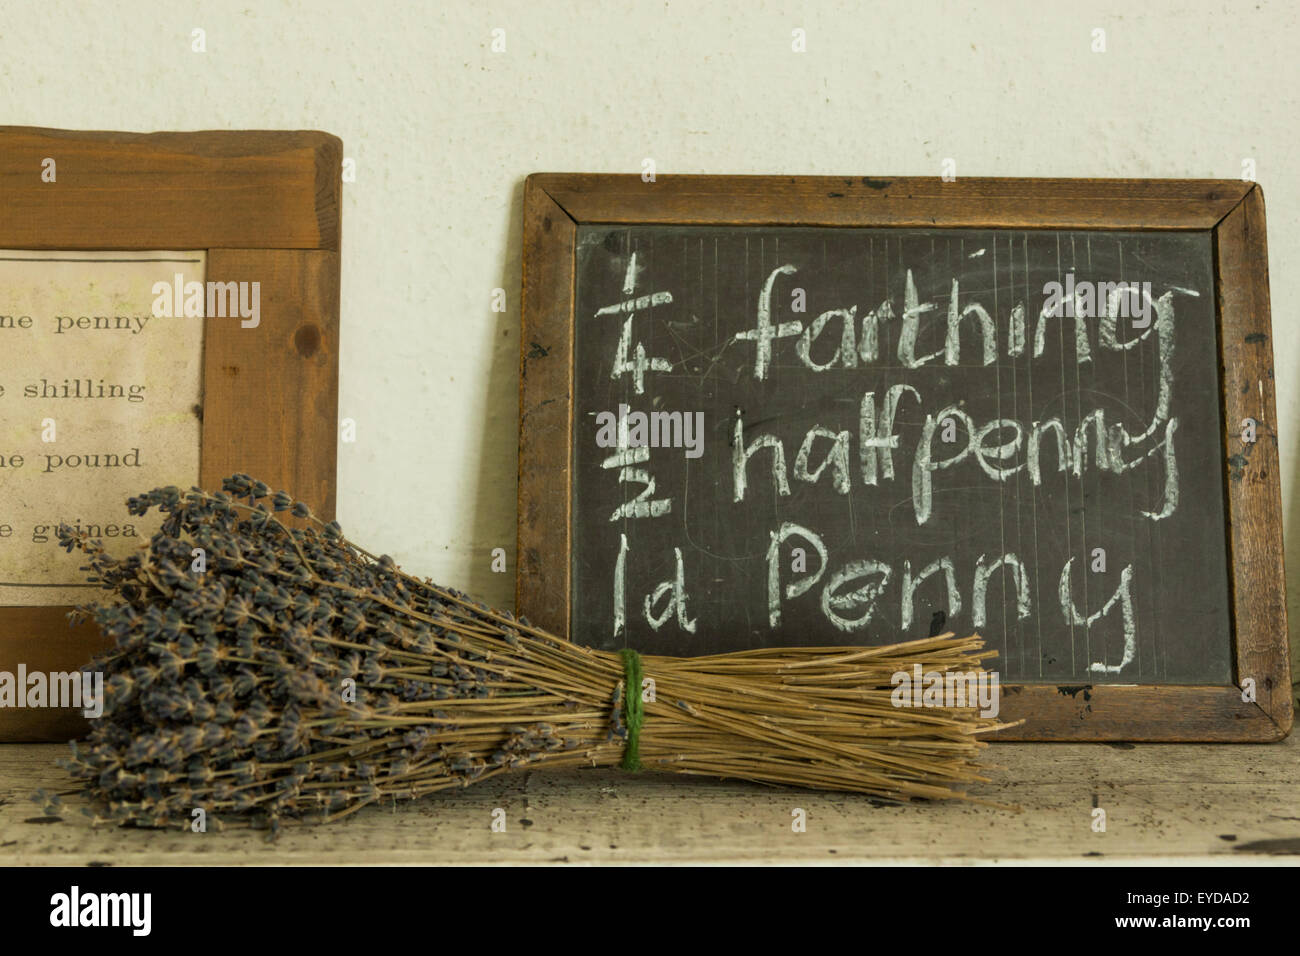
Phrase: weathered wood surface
pixel 915 201
pixel 545 430
pixel 1227 804
pixel 270 394
pixel 217 189
pixel 1254 486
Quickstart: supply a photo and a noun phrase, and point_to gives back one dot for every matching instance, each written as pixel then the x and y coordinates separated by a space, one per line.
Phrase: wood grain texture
pixel 203 190
pixel 895 201
pixel 270 393
pixel 1254 487
pixel 1233 210
pixel 1132 712
pixel 1168 803
pixel 545 408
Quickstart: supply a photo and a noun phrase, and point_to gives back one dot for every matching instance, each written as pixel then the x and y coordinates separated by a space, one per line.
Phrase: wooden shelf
pixel 1220 804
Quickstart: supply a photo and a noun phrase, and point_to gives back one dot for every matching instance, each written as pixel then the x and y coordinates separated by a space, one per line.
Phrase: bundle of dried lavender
pixel 283 674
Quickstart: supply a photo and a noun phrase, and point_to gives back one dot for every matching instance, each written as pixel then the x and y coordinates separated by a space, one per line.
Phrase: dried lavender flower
pixel 299 678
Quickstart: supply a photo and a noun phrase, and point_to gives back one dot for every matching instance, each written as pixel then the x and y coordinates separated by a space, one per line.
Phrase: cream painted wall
pixel 444 131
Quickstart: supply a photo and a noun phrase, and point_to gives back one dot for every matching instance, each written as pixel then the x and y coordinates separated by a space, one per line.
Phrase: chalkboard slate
pixel 866 435
pixel 927 354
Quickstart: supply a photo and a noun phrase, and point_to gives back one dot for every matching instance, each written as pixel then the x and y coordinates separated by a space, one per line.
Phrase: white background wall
pixel 444 131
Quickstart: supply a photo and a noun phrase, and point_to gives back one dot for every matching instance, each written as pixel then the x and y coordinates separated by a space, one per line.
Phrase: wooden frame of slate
pixel 266 207
pixel 557 207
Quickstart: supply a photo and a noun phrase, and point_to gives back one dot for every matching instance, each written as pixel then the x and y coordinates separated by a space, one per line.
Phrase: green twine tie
pixel 633 708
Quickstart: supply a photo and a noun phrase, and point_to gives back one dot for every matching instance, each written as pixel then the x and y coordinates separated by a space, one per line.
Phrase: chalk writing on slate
pixel 796 436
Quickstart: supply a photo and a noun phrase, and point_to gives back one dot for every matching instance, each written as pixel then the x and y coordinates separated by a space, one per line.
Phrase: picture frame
pixel 265 205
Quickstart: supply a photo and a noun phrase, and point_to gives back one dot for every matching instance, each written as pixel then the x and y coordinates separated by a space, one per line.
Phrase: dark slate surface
pixel 1168 574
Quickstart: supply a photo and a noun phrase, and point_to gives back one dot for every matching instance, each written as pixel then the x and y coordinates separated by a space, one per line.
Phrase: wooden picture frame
pixel 1233 212
pixel 266 207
